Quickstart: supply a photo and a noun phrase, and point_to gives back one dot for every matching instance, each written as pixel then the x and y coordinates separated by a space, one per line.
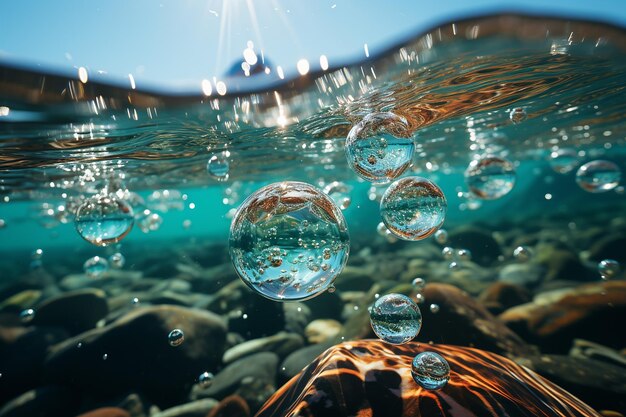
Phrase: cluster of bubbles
pixel 397 319
pixel 339 192
pixel 289 241
pixel 456 256
pixel 377 148
pixel 150 221
pixel 419 284
pixel 108 217
pixel 382 230
pixel 158 200
pixel 597 176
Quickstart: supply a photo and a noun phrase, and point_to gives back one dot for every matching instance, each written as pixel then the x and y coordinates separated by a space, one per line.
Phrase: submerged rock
pixel 231 406
pixel 562 264
pixel 282 344
pixel 133 354
pixel 526 275
pixel 50 401
pixel 461 320
pixel 321 330
pixel 484 248
pixel 609 247
pixel 299 359
pixel 372 378
pixel 554 321
pixel 500 296
pixel 198 408
pixel 257 371
pixel 75 311
pixel 22 359
pixel 601 385
pixel 106 412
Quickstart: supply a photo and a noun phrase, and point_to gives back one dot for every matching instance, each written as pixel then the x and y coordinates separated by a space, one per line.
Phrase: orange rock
pixel 586 312
pixel 373 378
pixel 106 412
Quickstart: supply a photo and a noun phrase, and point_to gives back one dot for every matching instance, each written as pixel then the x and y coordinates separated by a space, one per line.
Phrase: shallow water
pixel 526 89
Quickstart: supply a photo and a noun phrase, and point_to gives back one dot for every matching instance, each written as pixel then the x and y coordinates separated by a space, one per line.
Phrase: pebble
pixel 282 344
pixel 321 330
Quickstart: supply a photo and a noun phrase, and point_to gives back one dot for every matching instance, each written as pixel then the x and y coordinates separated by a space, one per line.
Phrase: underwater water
pixel 128 217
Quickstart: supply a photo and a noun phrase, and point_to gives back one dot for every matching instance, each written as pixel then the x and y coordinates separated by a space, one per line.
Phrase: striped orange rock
pixel 370 378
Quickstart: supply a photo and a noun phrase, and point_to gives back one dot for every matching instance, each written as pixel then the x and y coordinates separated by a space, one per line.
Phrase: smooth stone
pixel 107 412
pixel 281 343
pixel 463 321
pixel 562 264
pixel 252 377
pixel 231 406
pixel 467 276
pixel 114 278
pixel 173 285
pixel 355 278
pixel 589 350
pixel 526 274
pixel 49 401
pixel 326 305
pixel 133 404
pixel 599 384
pixel 585 312
pixel 76 311
pixel 609 247
pixel 198 408
pixel 320 330
pixel 22 360
pixel 249 314
pixel 297 316
pixel 500 296
pixel 139 355
pixel 300 359
pixel 484 248
pixel 209 280
pixel 373 378
pixel 20 301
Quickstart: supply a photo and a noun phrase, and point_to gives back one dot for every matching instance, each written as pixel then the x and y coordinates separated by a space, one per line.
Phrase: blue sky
pixel 180 42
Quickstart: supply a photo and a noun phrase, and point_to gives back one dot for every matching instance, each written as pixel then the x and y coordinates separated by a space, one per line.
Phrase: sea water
pixel 543 98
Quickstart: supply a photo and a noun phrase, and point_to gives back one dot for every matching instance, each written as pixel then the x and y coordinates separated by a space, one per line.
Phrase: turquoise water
pixel 186 160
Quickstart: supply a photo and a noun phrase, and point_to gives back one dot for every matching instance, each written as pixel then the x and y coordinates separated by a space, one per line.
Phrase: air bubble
pixel 395 318
pixel 377 149
pixel 490 177
pixel 598 176
pixel 289 220
pixel 430 370
pixel 413 208
pixel 176 337
pixel 104 220
pixel 95 266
